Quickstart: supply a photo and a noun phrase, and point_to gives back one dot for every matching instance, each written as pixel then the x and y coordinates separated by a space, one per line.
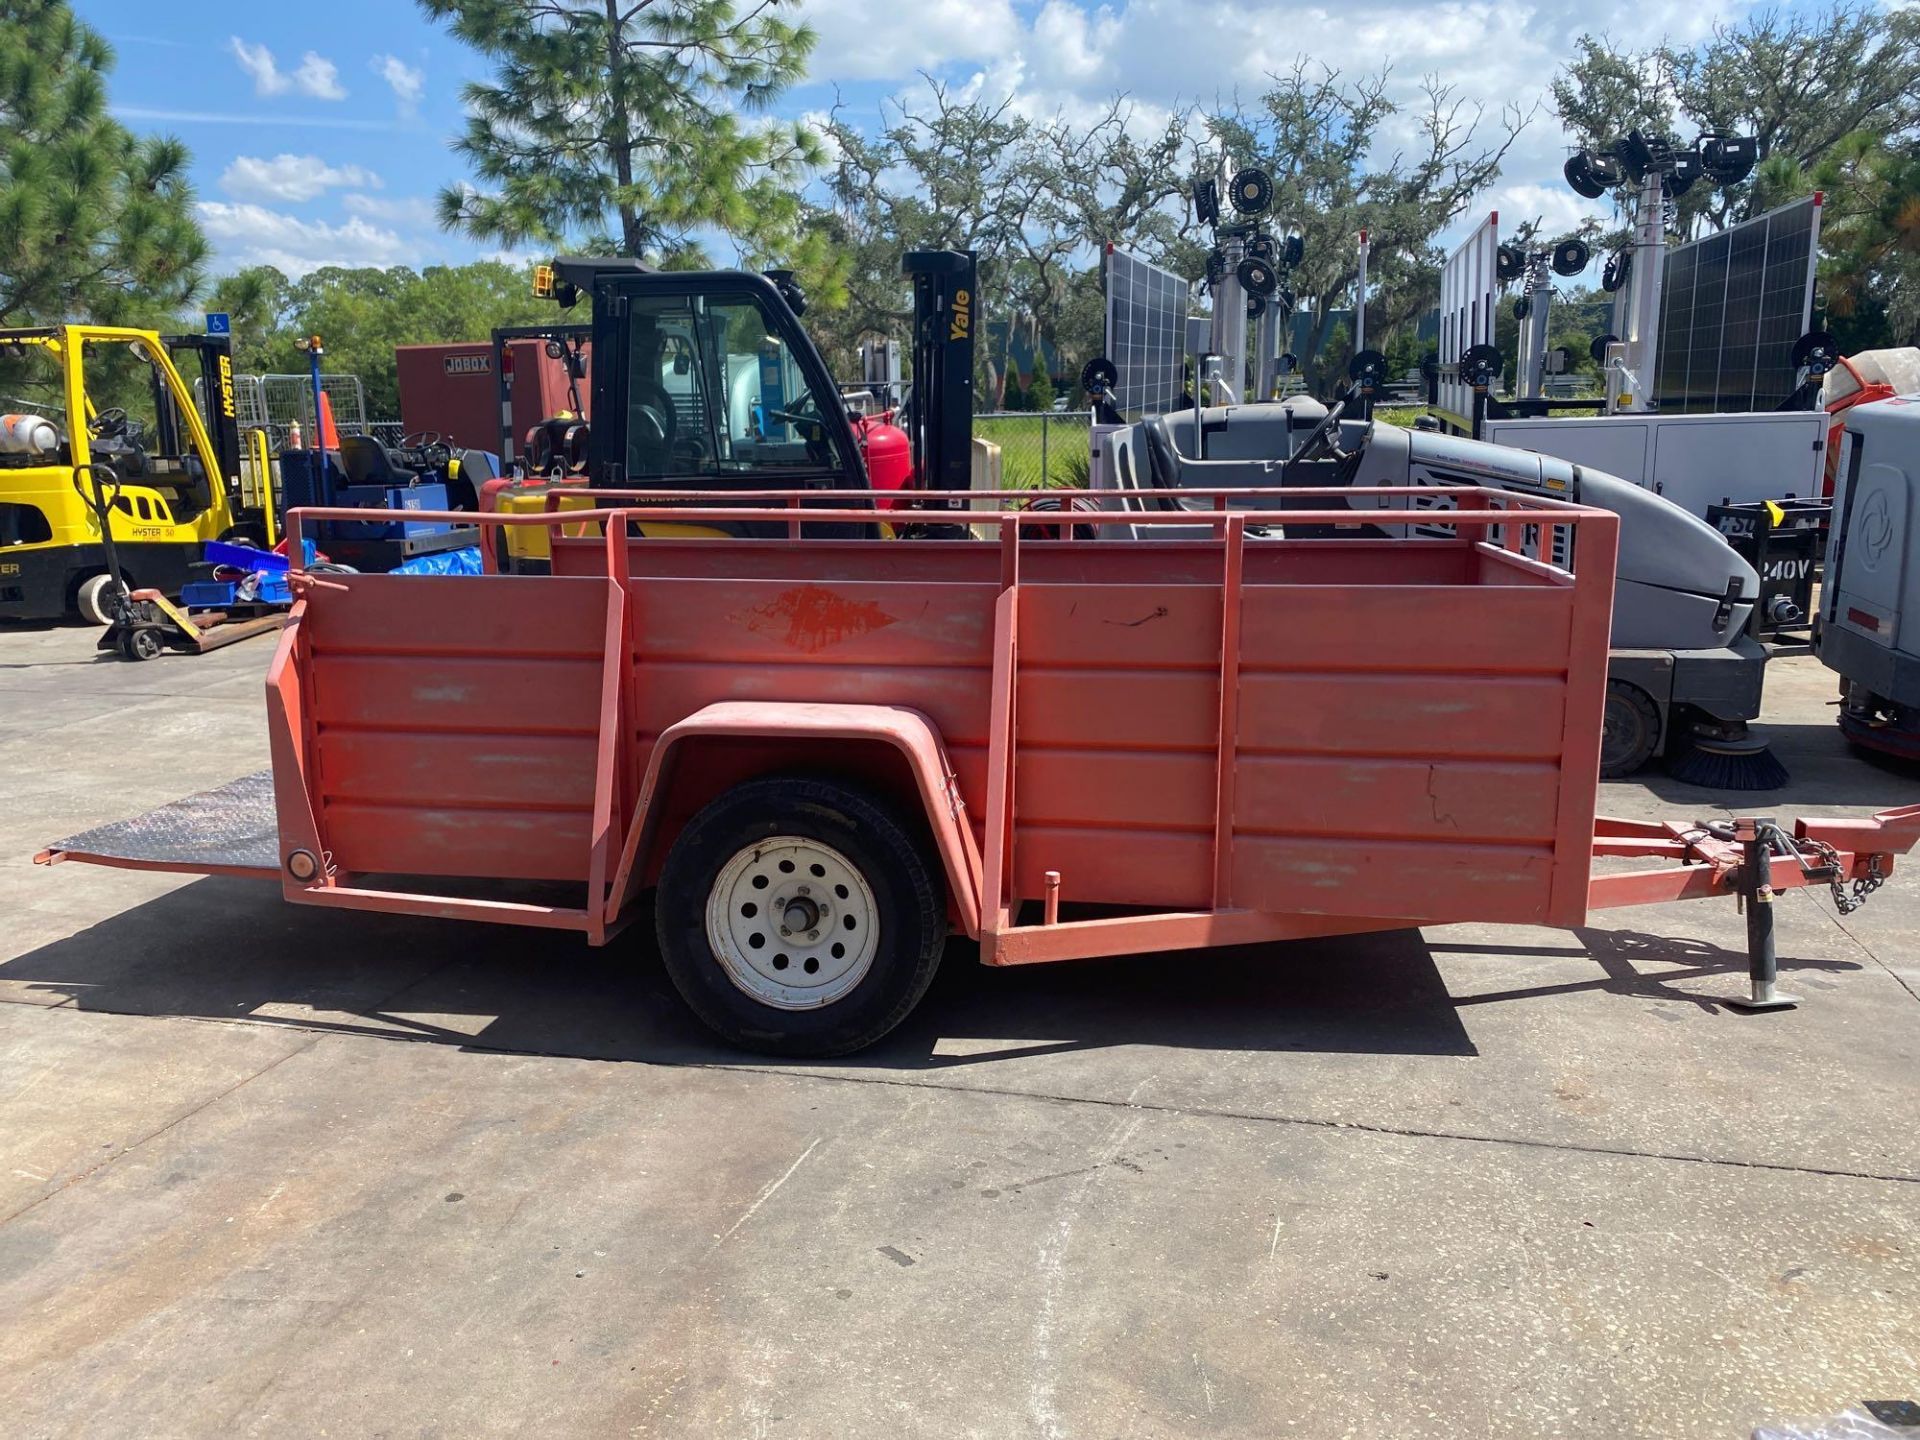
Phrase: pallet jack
pixel 143 623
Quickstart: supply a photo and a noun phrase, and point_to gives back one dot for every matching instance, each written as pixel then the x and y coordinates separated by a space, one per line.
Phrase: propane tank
pixel 889 455
pixel 28 435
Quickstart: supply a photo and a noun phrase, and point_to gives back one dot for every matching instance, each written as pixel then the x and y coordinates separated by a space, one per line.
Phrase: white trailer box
pixel 1693 460
pixel 1872 589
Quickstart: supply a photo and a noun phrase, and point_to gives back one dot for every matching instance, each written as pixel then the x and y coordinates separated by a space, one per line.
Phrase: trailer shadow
pixel 232 950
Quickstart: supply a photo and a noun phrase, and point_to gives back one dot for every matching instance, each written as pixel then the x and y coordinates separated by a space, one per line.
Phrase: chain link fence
pixel 1039 449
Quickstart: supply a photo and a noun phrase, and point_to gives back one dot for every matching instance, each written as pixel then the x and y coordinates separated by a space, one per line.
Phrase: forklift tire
pixel 91 599
pixel 1630 733
pixel 799 916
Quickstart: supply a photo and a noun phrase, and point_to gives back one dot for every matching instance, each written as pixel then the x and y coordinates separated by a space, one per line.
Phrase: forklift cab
pixel 707 382
pixel 103 395
pixel 117 398
pixel 143 419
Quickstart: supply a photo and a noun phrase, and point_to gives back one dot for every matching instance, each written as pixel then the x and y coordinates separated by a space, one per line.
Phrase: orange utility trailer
pixel 827 754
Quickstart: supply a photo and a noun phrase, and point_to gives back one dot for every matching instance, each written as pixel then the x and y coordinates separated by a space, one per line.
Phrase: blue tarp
pixel 447 562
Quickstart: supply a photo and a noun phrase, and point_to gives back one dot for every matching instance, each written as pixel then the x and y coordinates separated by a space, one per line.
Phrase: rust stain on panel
pixel 809 618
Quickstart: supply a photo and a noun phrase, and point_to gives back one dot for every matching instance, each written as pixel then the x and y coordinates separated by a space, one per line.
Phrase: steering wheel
pixel 430 446
pixel 652 425
pixel 1322 440
pixel 107 424
pixel 806 412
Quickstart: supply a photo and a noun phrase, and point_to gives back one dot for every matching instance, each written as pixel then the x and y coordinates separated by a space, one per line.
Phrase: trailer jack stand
pixel 1757 896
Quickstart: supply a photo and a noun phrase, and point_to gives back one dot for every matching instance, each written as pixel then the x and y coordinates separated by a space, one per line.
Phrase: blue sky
pixel 319 131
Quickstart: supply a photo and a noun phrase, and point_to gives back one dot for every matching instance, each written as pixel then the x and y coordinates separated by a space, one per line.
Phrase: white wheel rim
pixel 793 923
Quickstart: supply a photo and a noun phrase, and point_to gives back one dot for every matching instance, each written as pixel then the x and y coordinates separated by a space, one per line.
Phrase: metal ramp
pixel 229 830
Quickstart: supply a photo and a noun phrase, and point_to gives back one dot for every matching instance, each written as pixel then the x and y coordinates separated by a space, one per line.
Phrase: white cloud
pixel 316 76
pixel 291 177
pixel 414 211
pixel 254 235
pixel 250 119
pixel 884 40
pixel 407 82
pixel 319 78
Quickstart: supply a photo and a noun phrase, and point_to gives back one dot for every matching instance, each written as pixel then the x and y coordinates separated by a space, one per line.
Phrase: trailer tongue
pixel 827 754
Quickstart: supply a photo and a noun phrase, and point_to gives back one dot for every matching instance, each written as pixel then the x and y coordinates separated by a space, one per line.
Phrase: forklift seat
pixel 368 462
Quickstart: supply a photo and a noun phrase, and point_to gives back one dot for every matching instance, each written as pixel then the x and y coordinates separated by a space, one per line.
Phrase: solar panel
pixel 1731 306
pixel 1146 334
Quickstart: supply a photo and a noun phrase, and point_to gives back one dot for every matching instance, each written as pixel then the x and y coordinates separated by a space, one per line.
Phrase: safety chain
pixel 1862 888
pixel 1843 902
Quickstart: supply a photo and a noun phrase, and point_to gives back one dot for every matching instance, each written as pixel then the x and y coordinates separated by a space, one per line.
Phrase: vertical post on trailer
pixel 1643 288
pixel 1227 738
pixel 1230 327
pixel 1533 331
pixel 1266 346
pixel 1229 330
pixel 1205 369
pixel 997 854
pixel 1757 894
pixel 1360 298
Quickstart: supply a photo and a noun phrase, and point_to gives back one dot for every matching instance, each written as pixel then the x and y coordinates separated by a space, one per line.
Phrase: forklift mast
pixel 213 357
pixel 945 316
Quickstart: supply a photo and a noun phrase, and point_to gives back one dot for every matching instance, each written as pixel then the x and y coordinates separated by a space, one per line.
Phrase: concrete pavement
pixel 276 1171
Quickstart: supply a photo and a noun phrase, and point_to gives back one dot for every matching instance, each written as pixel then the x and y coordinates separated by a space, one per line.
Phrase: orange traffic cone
pixel 329 437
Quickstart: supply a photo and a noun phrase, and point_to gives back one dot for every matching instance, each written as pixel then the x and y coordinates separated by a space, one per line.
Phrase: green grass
pixel 1021 449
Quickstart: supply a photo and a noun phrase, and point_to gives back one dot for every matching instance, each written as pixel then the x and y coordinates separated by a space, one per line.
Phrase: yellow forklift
pixel 73 397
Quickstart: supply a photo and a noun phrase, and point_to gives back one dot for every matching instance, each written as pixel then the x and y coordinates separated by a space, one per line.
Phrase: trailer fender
pixel 792 733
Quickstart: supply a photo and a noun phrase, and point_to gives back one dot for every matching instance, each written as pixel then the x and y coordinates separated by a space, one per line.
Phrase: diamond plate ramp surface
pixel 229 828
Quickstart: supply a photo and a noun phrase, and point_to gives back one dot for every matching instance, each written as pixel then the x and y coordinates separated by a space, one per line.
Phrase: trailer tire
pixel 1630 733
pixel 867 907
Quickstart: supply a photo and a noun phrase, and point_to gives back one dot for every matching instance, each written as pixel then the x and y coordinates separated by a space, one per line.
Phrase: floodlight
pixel 1680 179
pixel 1252 191
pixel 1592 173
pixel 1728 159
pixel 1256 277
pixel 1206 202
pixel 1571 256
pixel 1640 154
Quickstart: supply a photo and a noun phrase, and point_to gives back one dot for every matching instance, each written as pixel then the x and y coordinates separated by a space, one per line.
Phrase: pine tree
pixel 634 116
pixel 94 223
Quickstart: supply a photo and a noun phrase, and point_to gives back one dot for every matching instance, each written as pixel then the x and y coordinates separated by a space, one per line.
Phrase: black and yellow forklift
pixel 707 381
pixel 73 397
